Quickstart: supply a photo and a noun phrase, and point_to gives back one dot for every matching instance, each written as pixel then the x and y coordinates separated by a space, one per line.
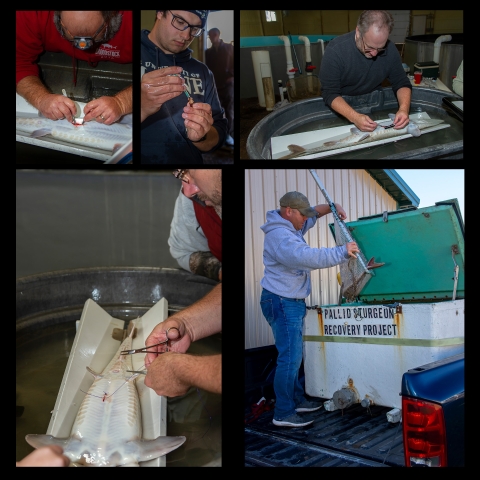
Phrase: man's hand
pixel 198 120
pixel 164 376
pixel 401 120
pixel 57 107
pixel 159 86
pixel 105 110
pixel 364 123
pixel 341 212
pixel 172 374
pixel 48 456
pixel 179 339
pixel 352 249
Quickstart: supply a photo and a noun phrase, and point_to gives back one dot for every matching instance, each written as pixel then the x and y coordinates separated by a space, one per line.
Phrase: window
pixel 271 17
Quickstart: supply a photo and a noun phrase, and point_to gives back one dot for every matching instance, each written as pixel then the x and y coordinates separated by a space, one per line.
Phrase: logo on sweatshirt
pixel 108 51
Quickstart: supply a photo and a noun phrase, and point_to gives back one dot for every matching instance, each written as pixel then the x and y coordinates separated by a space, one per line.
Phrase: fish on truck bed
pixel 107 430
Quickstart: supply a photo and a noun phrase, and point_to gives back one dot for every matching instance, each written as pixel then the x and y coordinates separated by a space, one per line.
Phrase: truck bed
pixel 356 437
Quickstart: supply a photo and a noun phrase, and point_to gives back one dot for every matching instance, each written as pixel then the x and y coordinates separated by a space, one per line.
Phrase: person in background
pixel 357 63
pixel 288 261
pixel 219 59
pixel 50 456
pixel 172 373
pixel 173 129
pixel 92 36
pixel 196 236
pixel 457 83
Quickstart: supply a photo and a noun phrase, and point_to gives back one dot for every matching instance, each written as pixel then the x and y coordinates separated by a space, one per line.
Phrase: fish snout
pixel 413 129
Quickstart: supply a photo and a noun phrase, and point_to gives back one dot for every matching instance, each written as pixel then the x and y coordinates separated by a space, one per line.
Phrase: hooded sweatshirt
pixel 36 34
pixel 288 259
pixel 163 135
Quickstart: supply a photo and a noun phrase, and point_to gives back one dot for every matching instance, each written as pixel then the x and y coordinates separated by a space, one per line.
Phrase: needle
pixel 65 95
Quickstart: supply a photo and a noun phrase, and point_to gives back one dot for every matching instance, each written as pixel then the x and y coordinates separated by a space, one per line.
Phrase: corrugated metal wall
pixel 358 193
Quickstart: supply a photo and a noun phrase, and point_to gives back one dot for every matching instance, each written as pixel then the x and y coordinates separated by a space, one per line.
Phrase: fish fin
pixel 41 132
pixel 150 449
pixel 392 116
pixel 95 374
pixel 372 264
pixel 331 143
pixel 355 130
pixel 364 136
pixel 37 441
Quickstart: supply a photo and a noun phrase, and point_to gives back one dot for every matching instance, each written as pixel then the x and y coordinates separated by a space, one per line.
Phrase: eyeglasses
pixel 182 175
pixel 367 48
pixel 180 24
pixel 80 42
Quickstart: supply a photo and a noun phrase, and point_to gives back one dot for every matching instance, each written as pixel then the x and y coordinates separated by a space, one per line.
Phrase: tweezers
pixel 144 349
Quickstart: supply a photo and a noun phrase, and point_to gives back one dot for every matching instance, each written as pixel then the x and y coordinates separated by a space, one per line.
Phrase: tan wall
pixel 331 22
pixel 358 193
pixel 448 21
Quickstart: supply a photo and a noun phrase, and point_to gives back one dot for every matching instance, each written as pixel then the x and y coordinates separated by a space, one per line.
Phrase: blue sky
pixel 432 185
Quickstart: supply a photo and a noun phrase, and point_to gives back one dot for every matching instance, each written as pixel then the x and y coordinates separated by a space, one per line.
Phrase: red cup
pixel 418 77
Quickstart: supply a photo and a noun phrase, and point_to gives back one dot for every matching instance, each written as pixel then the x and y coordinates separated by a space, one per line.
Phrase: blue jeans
pixel 285 316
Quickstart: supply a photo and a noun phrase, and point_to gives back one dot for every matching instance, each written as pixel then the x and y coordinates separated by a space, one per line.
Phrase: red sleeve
pixel 29 41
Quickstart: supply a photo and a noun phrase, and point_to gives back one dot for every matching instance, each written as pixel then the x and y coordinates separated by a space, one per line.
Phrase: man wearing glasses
pixel 92 36
pixel 195 238
pixel 181 114
pixel 358 62
pixel 173 373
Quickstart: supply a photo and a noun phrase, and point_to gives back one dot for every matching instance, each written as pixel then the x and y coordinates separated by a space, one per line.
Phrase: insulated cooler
pixel 409 314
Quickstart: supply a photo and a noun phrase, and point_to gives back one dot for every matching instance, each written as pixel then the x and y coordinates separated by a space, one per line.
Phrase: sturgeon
pixel 356 137
pixel 107 430
pixel 91 134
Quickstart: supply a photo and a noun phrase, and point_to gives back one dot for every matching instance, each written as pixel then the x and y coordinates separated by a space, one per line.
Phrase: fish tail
pixel 295 149
pixel 40 132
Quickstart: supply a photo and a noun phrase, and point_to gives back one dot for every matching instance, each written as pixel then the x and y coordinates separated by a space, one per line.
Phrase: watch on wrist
pixel 200 140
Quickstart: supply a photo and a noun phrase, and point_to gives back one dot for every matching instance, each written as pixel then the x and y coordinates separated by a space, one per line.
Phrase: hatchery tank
pixel 313 114
pixel 47 307
pixel 420 48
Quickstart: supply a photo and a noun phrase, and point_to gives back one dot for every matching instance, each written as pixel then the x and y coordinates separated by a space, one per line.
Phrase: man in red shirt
pixel 92 36
pixel 174 372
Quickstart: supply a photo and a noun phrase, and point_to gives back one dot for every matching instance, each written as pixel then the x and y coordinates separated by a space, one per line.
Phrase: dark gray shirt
pixel 346 71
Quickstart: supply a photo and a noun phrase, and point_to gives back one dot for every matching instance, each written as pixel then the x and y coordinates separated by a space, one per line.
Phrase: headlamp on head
pixel 84 43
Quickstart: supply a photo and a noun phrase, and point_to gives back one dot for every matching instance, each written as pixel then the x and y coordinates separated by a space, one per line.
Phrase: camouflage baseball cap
pixel 300 202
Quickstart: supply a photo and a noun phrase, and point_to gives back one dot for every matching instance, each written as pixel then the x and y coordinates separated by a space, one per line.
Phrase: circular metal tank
pixel 420 48
pixel 312 114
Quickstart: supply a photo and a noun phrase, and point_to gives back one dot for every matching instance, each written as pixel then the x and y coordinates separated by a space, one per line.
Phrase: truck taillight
pixel 424 440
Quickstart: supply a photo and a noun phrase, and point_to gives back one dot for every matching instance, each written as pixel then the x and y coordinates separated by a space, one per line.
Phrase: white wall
pixel 358 193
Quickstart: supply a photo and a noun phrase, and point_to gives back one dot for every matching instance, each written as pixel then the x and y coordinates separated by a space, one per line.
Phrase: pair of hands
pixel 365 124
pixel 58 107
pixel 162 367
pixel 159 86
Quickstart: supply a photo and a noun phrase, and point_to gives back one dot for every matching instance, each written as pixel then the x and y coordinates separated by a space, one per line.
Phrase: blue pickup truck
pixel 433 414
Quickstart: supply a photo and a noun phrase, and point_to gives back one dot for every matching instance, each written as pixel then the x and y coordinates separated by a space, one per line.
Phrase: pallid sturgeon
pixel 107 430
pixel 413 128
pixel 91 134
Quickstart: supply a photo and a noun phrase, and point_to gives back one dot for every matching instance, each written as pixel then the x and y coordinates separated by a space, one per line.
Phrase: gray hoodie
pixel 288 260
